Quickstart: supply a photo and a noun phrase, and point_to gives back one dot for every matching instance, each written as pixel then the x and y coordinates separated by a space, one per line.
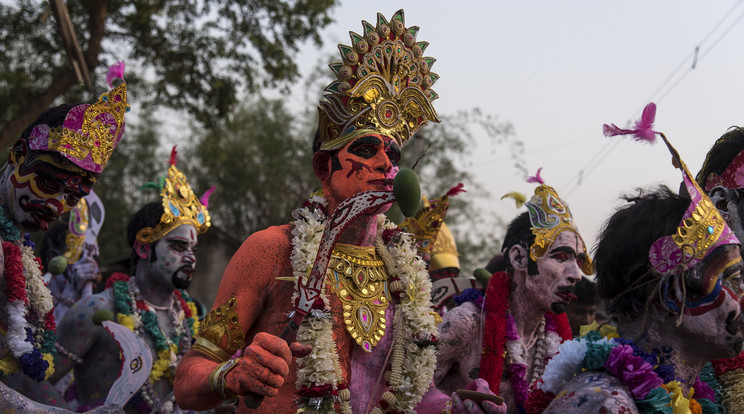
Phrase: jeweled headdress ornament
pixel 549 216
pixel 180 205
pixel 702 228
pixel 732 177
pixel 383 86
pixel 83 227
pixel 425 225
pixel 90 132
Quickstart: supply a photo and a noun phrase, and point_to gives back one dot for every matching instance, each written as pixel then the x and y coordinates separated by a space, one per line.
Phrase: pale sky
pixel 558 70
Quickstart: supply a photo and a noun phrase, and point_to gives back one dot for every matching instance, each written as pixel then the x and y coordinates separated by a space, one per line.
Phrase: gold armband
pixel 220 334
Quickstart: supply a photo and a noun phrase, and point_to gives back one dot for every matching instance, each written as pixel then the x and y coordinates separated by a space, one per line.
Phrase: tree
pixel 196 56
pixel 259 158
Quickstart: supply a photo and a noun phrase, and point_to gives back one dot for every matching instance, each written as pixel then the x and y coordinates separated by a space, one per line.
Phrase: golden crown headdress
pixel 90 132
pixel 426 224
pixel 549 216
pixel 384 85
pixel 180 205
pixel 702 228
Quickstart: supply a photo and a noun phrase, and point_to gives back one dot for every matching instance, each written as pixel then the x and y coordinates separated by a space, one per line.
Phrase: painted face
pixel 714 292
pixel 367 163
pixel 41 188
pixel 175 259
pixel 558 271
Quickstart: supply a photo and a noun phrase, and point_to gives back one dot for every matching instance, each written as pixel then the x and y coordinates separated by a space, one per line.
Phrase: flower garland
pixel 320 380
pixel 31 328
pixel 503 346
pixel 650 382
pixel 730 373
pixel 135 314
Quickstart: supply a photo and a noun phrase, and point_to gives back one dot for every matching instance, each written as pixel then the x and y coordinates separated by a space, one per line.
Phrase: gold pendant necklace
pixel 359 280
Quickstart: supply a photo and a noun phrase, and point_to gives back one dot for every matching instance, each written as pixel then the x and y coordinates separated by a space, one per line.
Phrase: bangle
pixel 447 407
pixel 217 379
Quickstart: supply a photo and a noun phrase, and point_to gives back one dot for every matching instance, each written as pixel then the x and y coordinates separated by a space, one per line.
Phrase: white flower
pixel 563 366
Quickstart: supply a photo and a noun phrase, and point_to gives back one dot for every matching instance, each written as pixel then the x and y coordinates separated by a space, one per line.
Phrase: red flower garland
pixel 15 281
pixel 495 305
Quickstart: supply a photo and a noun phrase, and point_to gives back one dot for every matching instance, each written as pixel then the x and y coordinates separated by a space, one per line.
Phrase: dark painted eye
pixel 560 256
pixel 364 151
pixel 394 156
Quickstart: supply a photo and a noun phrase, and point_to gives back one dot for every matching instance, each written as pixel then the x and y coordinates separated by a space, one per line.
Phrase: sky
pixel 558 70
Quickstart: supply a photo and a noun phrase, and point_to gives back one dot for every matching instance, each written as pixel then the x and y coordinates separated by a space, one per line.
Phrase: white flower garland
pixel 412 364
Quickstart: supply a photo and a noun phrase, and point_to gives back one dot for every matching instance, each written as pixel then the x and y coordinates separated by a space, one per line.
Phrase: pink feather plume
pixel 459 188
pixel 173 156
pixel 536 178
pixel 644 127
pixel 115 71
pixel 204 199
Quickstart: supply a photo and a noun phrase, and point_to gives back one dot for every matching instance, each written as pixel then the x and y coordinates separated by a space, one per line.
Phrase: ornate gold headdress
pixel 549 216
pixel 180 205
pixel 432 235
pixel 383 86
pixel 702 228
pixel 83 227
pixel 89 133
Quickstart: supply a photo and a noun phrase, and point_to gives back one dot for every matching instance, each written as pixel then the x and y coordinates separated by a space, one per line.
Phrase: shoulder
pixel 276 239
pixel 593 392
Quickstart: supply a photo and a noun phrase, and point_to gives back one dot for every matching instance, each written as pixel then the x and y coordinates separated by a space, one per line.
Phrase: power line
pixel 597 160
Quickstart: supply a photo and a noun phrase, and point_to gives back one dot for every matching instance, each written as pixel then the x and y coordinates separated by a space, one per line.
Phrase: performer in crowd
pixel 670 269
pixel 77 242
pixel 50 168
pixel 583 310
pixel 371 333
pixel 152 302
pixel 507 337
pixel 722 178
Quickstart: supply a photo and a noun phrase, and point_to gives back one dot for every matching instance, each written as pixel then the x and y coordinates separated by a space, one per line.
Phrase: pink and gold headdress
pixel 90 132
pixel 732 177
pixel 383 86
pixel 549 216
pixel 702 228
pixel 180 205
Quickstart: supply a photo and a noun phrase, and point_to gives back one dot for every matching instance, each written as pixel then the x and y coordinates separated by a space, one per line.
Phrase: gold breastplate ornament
pixel 359 280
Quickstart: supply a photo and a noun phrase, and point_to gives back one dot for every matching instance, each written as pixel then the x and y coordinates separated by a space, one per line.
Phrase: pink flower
pixel 637 374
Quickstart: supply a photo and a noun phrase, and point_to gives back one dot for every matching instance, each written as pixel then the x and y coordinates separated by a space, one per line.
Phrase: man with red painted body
pixel 372 335
pixel 506 337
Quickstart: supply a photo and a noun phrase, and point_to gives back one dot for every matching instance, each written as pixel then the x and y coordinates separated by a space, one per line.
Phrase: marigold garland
pixel 31 327
pixel 145 321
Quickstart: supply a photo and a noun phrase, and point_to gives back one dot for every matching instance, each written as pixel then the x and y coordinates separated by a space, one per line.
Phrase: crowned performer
pixel 722 177
pixel 152 302
pixel 50 169
pixel 76 241
pixel 437 246
pixel 506 338
pixel 670 269
pixel 371 332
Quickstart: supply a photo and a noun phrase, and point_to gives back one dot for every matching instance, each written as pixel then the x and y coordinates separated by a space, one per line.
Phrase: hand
pixel 470 407
pixel 82 272
pixel 263 367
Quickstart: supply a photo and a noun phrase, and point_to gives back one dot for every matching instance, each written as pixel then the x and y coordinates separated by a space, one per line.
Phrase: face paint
pixel 558 271
pixel 43 188
pixel 175 258
pixel 367 163
pixel 716 278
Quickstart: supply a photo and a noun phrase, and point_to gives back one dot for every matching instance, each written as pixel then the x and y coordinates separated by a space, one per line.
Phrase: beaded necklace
pixel 31 328
pixel 134 313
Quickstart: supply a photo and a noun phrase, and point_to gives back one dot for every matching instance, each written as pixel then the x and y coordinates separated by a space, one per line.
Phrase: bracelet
pixel 217 379
pixel 68 354
pixel 447 407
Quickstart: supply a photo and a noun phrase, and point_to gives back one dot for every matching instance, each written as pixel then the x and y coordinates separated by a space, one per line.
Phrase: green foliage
pixel 196 56
pixel 260 160
pixel 440 153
